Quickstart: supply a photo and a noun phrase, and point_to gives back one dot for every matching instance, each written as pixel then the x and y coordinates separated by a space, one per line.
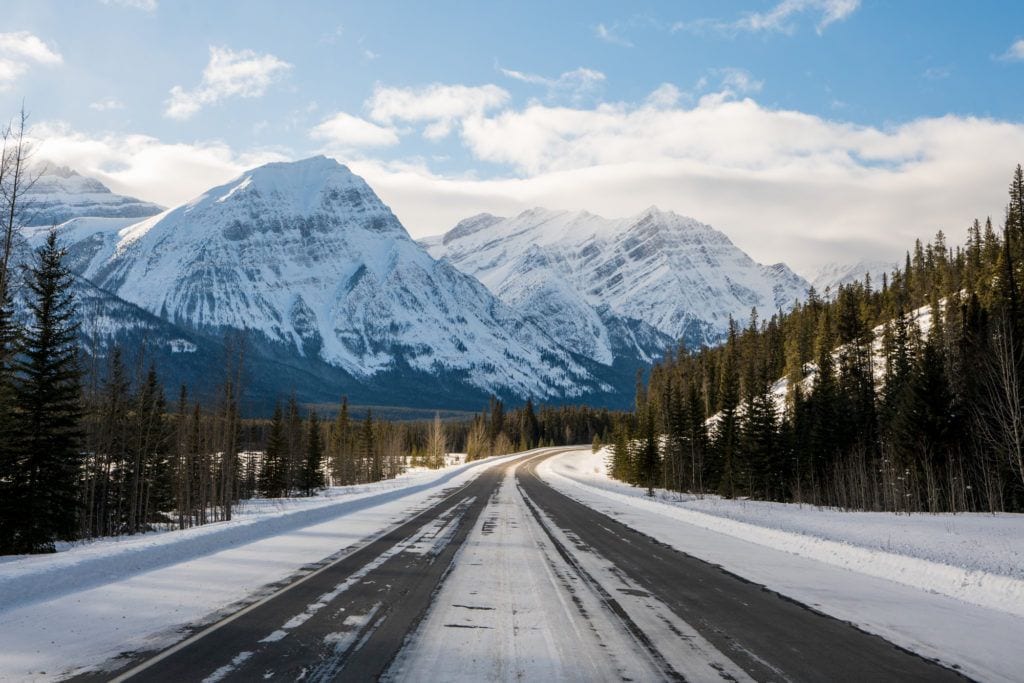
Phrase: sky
pixel 808 131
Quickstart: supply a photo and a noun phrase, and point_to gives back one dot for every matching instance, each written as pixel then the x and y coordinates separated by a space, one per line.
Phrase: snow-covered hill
pixel 671 274
pixel 833 275
pixel 60 194
pixel 308 256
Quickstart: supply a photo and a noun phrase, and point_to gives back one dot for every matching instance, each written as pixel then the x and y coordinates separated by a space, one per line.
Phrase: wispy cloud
pixel 937 73
pixel 439 105
pixel 1015 53
pixel 347 131
pixel 19 51
pixel 575 84
pixel 609 34
pixel 107 104
pixel 145 5
pixel 779 19
pixel 228 74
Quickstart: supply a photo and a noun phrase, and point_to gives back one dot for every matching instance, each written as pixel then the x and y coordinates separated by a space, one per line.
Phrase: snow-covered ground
pixel 76 609
pixel 950 587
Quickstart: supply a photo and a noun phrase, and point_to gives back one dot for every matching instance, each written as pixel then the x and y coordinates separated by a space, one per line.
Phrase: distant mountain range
pixel 579 276
pixel 334 297
pixel 59 194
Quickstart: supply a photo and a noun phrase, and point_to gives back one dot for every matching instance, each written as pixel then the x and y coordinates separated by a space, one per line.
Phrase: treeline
pixel 901 395
pixel 496 432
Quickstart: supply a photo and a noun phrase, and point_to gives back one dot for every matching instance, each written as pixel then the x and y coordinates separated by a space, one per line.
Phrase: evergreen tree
pixel 272 474
pixel 312 474
pixel 49 400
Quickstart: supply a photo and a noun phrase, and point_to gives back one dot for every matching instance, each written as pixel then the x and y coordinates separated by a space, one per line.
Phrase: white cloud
pixel 440 106
pixel 107 104
pixel 346 131
pixel 228 74
pixel 739 81
pixel 1015 53
pixel 610 35
pixel 784 185
pixel 145 5
pixel 143 166
pixel 575 83
pixel 19 51
pixel 778 19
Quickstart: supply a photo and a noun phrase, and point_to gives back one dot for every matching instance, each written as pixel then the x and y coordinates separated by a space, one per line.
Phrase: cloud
pixel 1015 53
pixel 779 19
pixel 575 83
pixel 785 185
pixel 19 51
pixel 739 81
pixel 228 74
pixel 937 73
pixel 107 104
pixel 610 35
pixel 144 166
pixel 145 5
pixel 346 131
pixel 440 106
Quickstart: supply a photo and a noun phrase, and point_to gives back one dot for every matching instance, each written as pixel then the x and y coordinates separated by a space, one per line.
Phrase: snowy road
pixel 508 579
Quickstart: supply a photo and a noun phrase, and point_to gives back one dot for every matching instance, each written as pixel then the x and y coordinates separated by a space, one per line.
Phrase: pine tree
pixel 49 400
pixel 341 448
pixel 312 474
pixel 272 474
pixel 437 442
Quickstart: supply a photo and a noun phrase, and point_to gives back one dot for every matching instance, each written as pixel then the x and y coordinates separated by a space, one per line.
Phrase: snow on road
pixel 73 611
pixel 879 572
pixel 512 608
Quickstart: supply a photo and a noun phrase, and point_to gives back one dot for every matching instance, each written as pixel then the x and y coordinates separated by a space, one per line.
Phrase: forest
pixel 903 395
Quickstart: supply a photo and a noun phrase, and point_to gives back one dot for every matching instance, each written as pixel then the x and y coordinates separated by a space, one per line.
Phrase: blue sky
pixel 807 130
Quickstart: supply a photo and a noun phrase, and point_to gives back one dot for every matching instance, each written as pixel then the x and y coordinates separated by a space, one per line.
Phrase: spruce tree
pixel 272 474
pixel 49 400
pixel 312 474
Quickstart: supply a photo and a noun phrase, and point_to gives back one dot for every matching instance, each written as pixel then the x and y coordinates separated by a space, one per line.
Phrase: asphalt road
pixel 768 636
pixel 350 618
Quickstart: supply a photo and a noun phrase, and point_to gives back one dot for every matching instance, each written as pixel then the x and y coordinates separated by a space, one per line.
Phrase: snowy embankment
pixel 949 587
pixel 71 611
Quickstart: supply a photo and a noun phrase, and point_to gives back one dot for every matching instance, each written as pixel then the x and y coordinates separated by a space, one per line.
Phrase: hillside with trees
pixel 903 395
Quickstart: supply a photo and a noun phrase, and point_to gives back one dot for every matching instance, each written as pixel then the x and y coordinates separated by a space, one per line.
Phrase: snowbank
pixel 72 611
pixel 879 591
pixel 974 557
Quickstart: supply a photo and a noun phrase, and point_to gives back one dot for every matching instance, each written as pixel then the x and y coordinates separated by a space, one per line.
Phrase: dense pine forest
pixel 902 395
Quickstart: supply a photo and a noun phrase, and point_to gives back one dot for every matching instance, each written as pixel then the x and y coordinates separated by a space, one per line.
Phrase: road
pixel 506 578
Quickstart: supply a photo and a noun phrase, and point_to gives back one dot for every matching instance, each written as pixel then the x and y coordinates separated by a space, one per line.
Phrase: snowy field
pixel 73 610
pixel 949 587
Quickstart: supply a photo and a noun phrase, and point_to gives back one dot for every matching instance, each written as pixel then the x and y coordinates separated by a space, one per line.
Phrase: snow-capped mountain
pixel 306 255
pixel 832 275
pixel 60 194
pixel 674 275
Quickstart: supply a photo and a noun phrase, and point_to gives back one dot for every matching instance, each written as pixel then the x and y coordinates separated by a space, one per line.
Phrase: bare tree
pixel 1000 416
pixel 437 443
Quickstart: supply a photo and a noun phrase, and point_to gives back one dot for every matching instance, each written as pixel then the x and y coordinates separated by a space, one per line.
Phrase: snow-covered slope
pixel 306 254
pixel 680 277
pixel 60 194
pixel 832 275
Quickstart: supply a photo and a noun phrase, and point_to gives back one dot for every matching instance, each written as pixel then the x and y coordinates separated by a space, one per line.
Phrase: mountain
pixel 832 275
pixel 662 275
pixel 60 194
pixel 324 279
